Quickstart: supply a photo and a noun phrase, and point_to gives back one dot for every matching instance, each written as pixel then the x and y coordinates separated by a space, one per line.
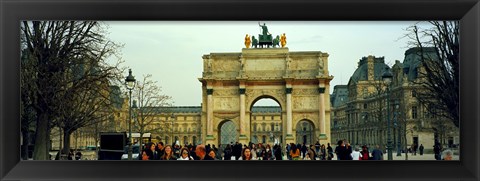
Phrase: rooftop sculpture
pixel 265 40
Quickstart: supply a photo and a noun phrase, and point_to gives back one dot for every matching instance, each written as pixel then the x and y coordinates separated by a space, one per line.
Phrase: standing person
pixel 322 155
pixel 246 154
pixel 415 147
pixel 212 154
pixel 304 150
pixel 192 152
pixel 237 150
pixel 317 147
pixel 365 154
pixel 437 148
pixel 153 148
pixel 341 150
pixel 356 154
pixel 311 152
pixel 330 152
pixel 160 149
pixel 202 153
pixel 176 150
pixel 78 155
pixel 268 153
pixel 288 148
pixel 421 149
pixel 377 154
pixel 227 153
pixel 70 154
pixel 185 154
pixel 168 155
pixel 278 152
pixel 218 154
pixel 149 153
pixel 253 151
pixel 295 152
pixel 348 148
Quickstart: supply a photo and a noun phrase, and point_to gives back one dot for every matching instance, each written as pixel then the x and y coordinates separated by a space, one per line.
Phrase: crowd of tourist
pixel 236 151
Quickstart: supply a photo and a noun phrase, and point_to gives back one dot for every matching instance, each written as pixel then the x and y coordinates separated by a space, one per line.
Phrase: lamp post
pixel 130 84
pixel 172 117
pixel 387 78
pixel 399 151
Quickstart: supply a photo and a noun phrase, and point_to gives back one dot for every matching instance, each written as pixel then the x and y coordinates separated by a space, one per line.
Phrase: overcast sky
pixel 172 50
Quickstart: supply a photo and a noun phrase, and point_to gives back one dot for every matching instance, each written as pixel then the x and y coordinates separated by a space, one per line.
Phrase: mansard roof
pixel 361 73
pixel 339 95
pixel 413 60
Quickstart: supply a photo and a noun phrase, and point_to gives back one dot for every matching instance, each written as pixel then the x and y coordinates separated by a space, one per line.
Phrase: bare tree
pixel 150 99
pixel 59 50
pixel 440 78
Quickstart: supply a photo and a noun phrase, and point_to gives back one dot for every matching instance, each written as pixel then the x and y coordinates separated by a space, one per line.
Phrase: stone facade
pixel 297 81
pixel 361 117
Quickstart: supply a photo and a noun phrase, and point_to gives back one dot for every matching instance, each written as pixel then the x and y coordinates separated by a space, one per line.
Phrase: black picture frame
pixel 12 12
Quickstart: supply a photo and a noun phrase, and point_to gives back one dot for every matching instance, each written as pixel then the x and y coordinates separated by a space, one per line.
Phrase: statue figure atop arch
pixel 264 29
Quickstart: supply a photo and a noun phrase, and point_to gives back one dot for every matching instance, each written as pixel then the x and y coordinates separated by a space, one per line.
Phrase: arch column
pixel 243 136
pixel 209 137
pixel 321 112
pixel 289 136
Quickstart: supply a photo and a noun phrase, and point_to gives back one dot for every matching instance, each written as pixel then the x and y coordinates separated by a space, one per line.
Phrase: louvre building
pixel 359 112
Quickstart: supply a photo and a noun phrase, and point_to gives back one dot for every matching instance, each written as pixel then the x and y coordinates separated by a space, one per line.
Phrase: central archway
pixel 227 133
pixel 305 132
pixel 266 121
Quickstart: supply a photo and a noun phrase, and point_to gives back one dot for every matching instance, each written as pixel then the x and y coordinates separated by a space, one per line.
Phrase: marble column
pixel 242 112
pixel 321 111
pixel 289 111
pixel 209 112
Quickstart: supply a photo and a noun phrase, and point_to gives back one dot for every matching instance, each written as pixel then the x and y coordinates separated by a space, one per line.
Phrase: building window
pixel 414 112
pixel 185 140
pixel 271 126
pixel 365 106
pixel 414 93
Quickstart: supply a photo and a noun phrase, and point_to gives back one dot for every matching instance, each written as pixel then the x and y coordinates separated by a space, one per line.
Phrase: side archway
pixel 305 132
pixel 227 132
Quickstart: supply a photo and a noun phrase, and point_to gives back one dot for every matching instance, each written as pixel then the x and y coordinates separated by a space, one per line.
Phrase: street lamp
pixel 387 78
pixel 172 117
pixel 130 84
pixel 398 126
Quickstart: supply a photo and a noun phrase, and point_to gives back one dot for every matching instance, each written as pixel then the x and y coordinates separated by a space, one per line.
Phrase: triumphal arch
pixel 297 81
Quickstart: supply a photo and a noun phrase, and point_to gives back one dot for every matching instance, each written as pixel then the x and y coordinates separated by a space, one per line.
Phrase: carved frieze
pixel 305 91
pixel 305 102
pixel 226 103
